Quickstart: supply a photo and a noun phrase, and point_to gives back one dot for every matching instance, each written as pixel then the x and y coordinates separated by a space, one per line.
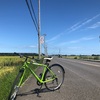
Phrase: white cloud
pixel 95 25
pixel 79 25
pixel 74 27
pixel 88 38
pixel 54 38
pixel 27 46
pixel 32 46
pixel 76 41
pixel 83 39
pixel 57 36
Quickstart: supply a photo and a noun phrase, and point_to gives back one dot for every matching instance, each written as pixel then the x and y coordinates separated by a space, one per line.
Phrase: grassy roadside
pixel 82 57
pixel 6 81
pixel 9 67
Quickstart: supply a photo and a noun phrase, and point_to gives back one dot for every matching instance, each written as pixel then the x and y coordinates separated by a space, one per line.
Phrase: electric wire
pixel 33 12
pixel 36 26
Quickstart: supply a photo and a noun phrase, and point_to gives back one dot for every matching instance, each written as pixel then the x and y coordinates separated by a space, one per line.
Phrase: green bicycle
pixel 52 76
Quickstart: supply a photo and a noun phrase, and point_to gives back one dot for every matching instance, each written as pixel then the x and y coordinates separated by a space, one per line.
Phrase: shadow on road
pixel 35 91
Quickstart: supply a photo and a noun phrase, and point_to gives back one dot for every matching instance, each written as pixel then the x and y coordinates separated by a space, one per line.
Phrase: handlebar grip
pixel 18 54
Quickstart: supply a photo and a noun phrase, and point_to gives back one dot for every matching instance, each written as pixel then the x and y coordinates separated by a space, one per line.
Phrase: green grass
pixel 9 67
pixel 83 57
pixel 9 61
pixel 6 82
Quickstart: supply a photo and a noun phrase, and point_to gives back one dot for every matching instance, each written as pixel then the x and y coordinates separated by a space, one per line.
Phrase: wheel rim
pixel 57 82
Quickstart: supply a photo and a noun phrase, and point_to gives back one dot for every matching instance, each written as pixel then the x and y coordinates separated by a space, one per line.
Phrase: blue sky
pixel 71 26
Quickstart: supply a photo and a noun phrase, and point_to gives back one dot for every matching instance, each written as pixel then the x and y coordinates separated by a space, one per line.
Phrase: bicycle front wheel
pixel 59 72
pixel 15 86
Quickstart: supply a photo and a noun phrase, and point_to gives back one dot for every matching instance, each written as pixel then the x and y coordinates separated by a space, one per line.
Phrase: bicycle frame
pixel 50 74
pixel 41 80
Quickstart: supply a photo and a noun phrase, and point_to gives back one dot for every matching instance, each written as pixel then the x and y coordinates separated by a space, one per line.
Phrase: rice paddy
pixel 8 71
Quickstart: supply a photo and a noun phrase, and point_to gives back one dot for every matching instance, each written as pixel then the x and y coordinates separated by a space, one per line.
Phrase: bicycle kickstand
pixel 38 91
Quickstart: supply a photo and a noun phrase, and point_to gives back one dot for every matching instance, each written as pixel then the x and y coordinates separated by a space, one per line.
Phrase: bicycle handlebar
pixel 21 56
pixel 18 54
pixel 26 57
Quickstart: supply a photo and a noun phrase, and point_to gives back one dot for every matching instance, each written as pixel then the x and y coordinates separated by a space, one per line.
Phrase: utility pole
pixel 59 52
pixel 39 46
pixel 45 46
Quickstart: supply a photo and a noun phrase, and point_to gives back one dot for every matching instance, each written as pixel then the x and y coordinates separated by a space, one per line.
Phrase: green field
pixel 9 67
pixel 83 57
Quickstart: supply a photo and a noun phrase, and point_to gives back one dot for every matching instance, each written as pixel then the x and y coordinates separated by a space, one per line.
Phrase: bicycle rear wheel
pixel 59 72
pixel 15 87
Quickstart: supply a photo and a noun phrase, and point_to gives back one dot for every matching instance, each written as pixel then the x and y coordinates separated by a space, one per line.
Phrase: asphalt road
pixel 82 82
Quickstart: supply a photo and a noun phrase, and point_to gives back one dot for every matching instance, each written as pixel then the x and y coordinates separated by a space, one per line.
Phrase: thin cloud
pixel 83 39
pixel 57 36
pixel 79 25
pixel 32 46
pixel 96 25
pixel 74 28
pixel 77 41
pixel 54 38
pixel 28 46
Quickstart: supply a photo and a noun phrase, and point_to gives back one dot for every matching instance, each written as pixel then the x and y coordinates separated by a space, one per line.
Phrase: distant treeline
pixel 12 54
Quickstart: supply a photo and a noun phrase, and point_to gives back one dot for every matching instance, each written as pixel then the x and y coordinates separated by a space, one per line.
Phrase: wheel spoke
pixel 58 75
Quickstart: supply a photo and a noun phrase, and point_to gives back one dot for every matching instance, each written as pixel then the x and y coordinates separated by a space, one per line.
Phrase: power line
pixel 39 45
pixel 35 23
pixel 33 12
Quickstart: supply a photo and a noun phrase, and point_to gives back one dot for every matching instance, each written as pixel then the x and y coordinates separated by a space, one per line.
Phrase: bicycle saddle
pixel 48 58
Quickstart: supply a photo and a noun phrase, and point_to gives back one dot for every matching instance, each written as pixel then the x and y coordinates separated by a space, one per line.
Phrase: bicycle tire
pixel 59 72
pixel 15 88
